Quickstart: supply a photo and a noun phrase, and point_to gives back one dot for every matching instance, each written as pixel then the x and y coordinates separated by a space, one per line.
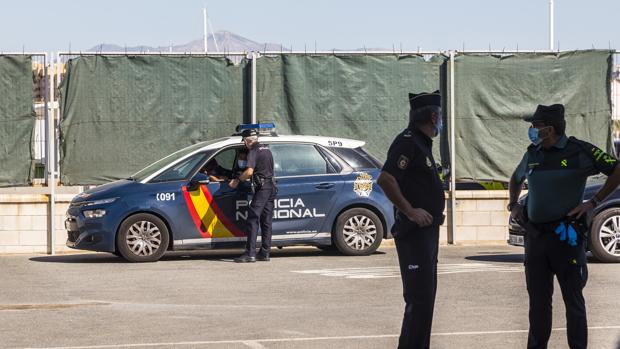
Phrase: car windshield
pixel 158 165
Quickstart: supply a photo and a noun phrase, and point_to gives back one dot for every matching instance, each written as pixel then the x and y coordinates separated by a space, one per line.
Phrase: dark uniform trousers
pixel 417 255
pixel 261 215
pixel 546 255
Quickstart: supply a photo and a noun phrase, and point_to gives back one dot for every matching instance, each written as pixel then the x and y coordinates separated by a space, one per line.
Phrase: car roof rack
pixel 264 128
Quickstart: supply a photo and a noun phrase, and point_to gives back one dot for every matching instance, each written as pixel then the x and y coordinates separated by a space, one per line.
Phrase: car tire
pixel 357 232
pixel 604 237
pixel 142 237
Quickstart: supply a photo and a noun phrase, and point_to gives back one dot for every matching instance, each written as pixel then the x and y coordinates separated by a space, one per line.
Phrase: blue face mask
pixel 242 163
pixel 438 126
pixel 532 133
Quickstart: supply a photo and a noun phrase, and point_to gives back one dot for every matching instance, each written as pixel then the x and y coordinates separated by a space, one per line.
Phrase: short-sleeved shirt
pixel 557 176
pixel 261 160
pixel 410 161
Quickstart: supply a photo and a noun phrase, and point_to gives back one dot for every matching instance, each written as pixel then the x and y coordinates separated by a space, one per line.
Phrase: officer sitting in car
pixel 242 161
pixel 216 172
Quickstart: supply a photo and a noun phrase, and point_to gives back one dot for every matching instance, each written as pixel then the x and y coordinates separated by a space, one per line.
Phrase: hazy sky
pixel 52 25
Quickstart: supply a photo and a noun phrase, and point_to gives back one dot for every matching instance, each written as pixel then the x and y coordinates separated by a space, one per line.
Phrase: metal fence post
pixel 452 207
pixel 254 57
pixel 51 162
pixel 59 66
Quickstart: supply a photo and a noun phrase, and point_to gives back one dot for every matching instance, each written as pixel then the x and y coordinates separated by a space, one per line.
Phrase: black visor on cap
pixel 249 133
pixel 424 99
pixel 547 113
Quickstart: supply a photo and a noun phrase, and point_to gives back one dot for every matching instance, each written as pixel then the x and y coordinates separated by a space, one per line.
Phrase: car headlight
pixel 100 202
pixel 94 213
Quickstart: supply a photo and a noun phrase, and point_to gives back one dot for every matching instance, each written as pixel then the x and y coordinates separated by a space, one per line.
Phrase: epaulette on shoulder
pixel 585 146
pixel 575 140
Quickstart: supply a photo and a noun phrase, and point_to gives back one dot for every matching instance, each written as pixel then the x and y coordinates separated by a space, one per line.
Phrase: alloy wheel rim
pixel 360 232
pixel 143 238
pixel 609 236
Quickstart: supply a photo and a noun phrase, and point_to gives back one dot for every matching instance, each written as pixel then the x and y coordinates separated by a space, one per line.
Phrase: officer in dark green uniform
pixel 556 168
pixel 410 180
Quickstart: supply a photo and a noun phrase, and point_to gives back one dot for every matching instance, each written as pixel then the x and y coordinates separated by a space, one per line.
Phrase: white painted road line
pixel 250 342
pixel 255 345
pixel 394 271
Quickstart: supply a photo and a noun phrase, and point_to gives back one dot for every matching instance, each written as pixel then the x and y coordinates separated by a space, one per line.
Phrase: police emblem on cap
pixel 428 162
pixel 403 162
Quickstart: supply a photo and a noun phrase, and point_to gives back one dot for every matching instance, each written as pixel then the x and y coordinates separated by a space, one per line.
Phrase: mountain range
pixel 225 41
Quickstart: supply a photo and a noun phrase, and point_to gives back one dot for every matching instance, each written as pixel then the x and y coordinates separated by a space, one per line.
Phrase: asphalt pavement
pixel 302 298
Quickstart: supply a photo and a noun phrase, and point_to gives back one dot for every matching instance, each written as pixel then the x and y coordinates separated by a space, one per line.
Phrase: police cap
pixel 547 114
pixel 424 99
pixel 249 133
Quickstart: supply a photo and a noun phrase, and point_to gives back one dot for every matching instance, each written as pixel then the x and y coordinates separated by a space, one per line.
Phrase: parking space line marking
pixel 255 345
pixel 307 339
pixel 394 271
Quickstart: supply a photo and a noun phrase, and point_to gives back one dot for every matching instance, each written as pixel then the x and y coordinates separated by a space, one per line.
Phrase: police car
pixel 604 223
pixel 327 195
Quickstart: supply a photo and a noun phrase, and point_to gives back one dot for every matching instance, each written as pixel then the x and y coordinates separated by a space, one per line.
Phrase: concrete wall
pixel 24 222
pixel 481 217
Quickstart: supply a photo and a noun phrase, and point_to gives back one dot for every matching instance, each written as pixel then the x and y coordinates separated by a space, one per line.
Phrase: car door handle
pixel 324 186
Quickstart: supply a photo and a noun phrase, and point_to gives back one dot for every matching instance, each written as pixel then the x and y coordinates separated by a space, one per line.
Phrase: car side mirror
pixel 194 183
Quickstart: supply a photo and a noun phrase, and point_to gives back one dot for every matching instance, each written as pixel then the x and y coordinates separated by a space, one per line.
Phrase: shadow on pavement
pixel 502 257
pixel 498 257
pixel 87 258
pixel 210 255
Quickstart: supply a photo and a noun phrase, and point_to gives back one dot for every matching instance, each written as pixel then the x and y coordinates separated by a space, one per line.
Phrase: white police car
pixel 327 195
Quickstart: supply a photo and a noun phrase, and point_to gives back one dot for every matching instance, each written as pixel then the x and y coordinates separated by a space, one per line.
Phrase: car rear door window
pixel 357 158
pixel 298 160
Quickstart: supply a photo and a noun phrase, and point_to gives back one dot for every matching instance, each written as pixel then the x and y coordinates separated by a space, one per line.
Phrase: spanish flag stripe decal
pixel 194 214
pixel 208 218
pixel 231 227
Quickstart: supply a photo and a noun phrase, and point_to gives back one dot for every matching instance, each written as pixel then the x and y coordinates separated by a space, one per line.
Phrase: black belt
pixel 580 225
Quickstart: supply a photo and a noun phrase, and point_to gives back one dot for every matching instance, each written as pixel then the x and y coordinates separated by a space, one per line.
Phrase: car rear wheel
pixel 605 236
pixel 142 238
pixel 358 232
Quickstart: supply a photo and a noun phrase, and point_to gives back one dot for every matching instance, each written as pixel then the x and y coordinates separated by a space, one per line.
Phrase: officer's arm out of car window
pixel 390 187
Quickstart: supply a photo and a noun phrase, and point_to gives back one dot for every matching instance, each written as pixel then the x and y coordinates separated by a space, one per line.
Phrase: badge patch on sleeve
pixel 403 162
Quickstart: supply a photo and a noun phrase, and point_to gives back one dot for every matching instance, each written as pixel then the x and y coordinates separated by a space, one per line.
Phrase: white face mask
pixel 242 163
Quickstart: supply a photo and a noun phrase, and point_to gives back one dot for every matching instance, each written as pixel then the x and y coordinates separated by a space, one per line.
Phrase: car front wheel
pixel 605 236
pixel 358 232
pixel 142 238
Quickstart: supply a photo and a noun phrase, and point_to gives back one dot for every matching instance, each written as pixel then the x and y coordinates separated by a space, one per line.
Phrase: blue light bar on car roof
pixel 263 126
